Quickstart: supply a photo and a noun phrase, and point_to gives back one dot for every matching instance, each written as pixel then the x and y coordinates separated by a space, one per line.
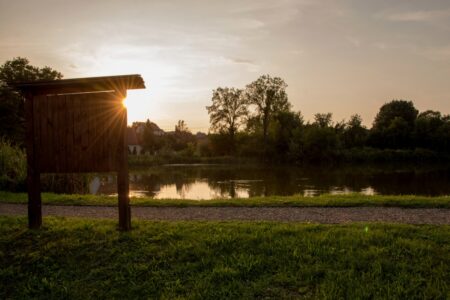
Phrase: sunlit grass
pixel 350 200
pixel 90 259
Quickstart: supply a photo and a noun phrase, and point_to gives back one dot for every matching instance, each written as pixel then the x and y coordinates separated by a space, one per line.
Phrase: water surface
pixel 221 181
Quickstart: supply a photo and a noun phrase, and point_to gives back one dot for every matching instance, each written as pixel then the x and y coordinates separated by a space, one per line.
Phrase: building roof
pixel 132 137
pixel 78 85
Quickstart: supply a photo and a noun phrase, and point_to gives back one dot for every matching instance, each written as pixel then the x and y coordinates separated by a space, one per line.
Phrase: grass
pixel 351 200
pixel 90 259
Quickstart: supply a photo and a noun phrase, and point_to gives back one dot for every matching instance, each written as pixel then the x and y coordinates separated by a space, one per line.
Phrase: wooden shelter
pixel 77 125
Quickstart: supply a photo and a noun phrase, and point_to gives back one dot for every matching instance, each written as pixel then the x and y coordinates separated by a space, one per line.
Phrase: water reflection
pixel 209 181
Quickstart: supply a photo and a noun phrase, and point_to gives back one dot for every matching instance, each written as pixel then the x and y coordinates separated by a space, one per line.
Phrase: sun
pixel 125 102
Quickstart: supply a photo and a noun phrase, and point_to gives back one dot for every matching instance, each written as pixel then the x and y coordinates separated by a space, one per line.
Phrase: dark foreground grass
pixel 351 200
pixel 90 259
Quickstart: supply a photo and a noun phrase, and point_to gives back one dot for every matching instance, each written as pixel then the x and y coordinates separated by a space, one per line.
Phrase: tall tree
pixel 395 109
pixel 355 134
pixel 269 96
pixel 182 137
pixel 11 103
pixel 394 124
pixel 227 112
pixel 181 126
pixel 323 120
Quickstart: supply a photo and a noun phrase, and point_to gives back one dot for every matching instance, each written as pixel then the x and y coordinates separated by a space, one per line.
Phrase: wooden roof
pixel 82 85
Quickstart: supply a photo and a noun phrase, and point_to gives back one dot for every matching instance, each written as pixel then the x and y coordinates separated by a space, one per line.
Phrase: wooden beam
pixel 33 175
pixel 122 175
pixel 81 85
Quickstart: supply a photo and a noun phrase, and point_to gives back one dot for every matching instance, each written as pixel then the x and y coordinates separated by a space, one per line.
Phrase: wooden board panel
pixel 78 132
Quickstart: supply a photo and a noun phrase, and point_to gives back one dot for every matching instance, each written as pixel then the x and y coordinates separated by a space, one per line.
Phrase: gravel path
pixel 287 214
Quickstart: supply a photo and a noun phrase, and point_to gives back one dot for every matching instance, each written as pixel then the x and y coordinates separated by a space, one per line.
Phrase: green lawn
pixel 410 201
pixel 90 259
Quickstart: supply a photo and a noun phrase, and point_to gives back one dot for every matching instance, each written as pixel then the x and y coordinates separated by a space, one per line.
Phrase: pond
pixel 221 181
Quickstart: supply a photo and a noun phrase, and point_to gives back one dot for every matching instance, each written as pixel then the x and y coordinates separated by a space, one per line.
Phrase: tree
pixel 181 126
pixel 151 141
pixel 283 129
pixel 394 124
pixel 396 108
pixel 428 130
pixel 227 112
pixel 182 138
pixel 11 103
pixel 269 96
pixel 355 134
pixel 19 69
pixel 323 120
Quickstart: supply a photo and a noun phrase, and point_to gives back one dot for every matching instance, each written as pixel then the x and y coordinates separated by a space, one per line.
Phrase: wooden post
pixel 33 175
pixel 122 175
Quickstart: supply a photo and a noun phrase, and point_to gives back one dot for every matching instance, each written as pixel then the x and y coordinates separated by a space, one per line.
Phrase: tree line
pixel 258 121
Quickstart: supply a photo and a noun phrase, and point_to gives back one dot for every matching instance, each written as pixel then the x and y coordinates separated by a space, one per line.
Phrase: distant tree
pixel 429 131
pixel 150 141
pixel 394 124
pixel 323 120
pixel 284 127
pixel 182 138
pixel 12 117
pixel 269 96
pixel 355 134
pixel 319 143
pixel 181 126
pixel 395 109
pixel 19 69
pixel 227 112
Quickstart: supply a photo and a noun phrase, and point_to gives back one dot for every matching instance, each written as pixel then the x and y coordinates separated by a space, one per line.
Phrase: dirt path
pixel 287 214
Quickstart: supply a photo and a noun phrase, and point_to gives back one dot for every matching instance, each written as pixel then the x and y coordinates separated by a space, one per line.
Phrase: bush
pixel 13 167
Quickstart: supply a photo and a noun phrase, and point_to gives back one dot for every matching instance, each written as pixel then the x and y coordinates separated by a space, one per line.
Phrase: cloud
pixel 242 61
pixel 436 53
pixel 417 16
pixel 380 45
pixel 354 41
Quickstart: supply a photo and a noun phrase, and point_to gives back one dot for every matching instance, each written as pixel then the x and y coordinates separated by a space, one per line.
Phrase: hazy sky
pixel 343 57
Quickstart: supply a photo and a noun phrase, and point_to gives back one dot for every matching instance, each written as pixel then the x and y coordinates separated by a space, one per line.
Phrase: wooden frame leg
pixel 34 200
pixel 124 201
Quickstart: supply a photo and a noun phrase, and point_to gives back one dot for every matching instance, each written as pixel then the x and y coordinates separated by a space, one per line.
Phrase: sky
pixel 344 57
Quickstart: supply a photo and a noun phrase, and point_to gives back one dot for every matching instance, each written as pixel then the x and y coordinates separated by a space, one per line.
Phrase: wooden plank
pixel 116 138
pixel 122 174
pixel 81 85
pixel 43 155
pixel 50 154
pixel 110 132
pixel 37 127
pixel 84 132
pixel 101 126
pixel 33 176
pixel 54 108
pixel 62 130
pixel 93 134
pixel 113 126
pixel 77 155
pixel 69 112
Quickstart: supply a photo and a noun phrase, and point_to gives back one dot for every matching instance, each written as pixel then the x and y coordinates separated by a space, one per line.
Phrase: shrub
pixel 13 167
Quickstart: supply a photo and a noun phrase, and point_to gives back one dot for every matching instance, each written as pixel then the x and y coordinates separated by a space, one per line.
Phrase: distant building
pixel 139 127
pixel 134 144
pixel 201 136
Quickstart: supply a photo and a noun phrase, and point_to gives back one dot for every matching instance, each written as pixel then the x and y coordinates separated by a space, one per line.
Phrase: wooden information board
pixel 78 132
pixel 77 125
